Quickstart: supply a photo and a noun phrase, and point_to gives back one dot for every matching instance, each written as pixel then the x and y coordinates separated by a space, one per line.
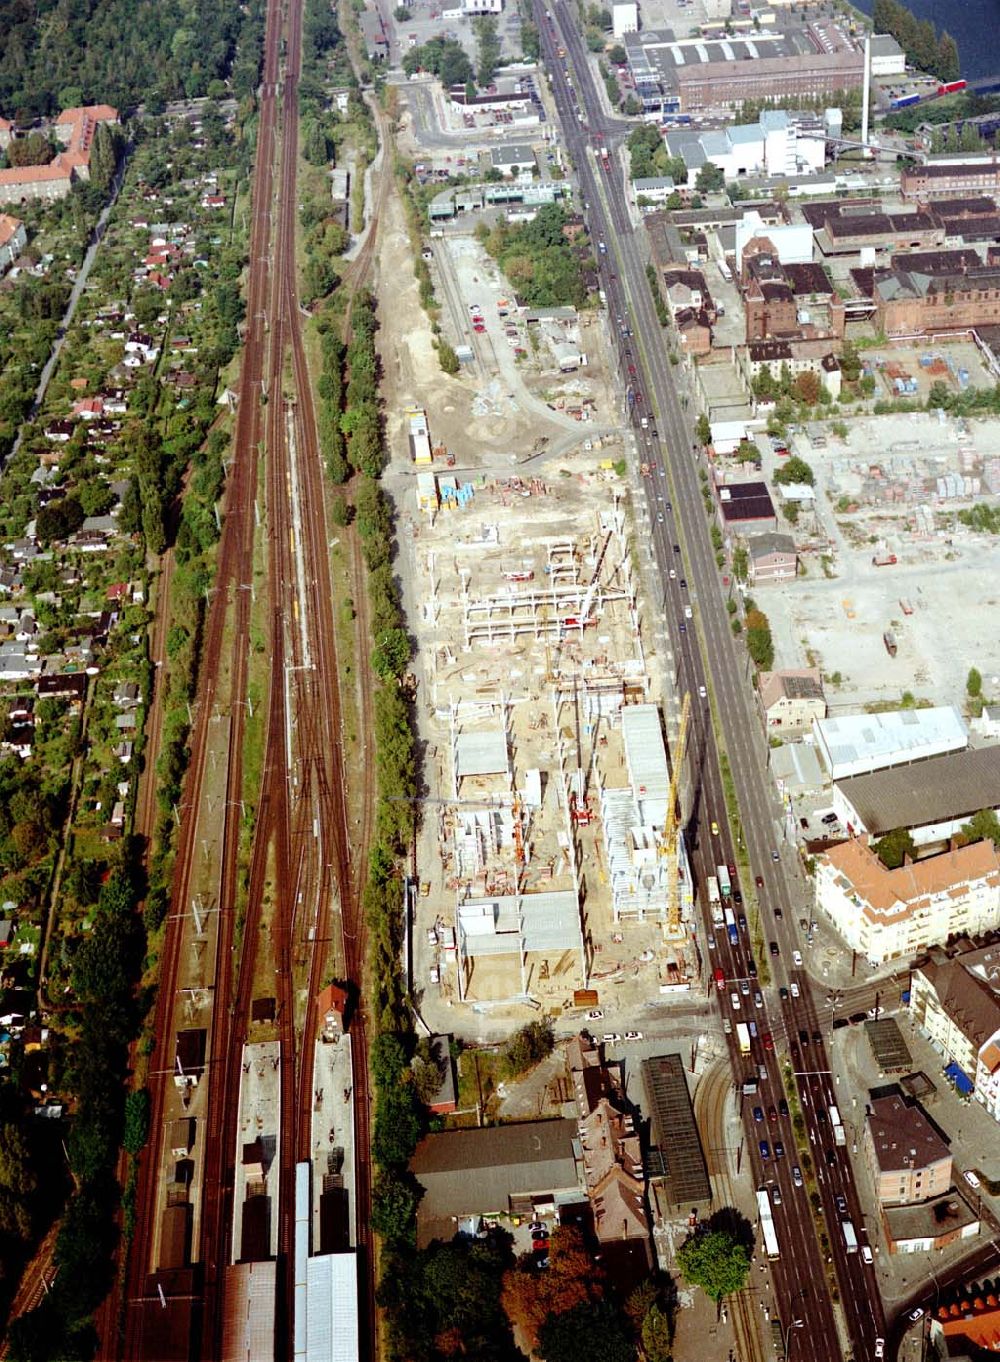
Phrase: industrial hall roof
pixel 936 790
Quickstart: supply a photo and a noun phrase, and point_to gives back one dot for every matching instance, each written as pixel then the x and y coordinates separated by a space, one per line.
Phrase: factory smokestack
pixel 866 90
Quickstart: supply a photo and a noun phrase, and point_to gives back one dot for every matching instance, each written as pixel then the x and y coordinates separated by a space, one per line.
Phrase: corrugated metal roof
pixel 333 1334
pixel 935 790
pixel 860 742
pixel 248 1325
pixel 645 754
pixel 549 921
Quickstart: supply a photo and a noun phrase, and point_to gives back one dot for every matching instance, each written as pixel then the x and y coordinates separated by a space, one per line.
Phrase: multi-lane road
pixel 706 656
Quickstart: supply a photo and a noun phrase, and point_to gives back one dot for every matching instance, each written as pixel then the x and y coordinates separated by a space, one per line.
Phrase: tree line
pixel 919 39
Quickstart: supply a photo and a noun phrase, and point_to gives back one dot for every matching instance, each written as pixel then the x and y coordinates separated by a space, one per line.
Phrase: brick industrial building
pixel 908 301
pixel 947 176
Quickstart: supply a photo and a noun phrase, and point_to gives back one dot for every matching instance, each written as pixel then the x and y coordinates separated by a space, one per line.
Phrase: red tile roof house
pixel 75 128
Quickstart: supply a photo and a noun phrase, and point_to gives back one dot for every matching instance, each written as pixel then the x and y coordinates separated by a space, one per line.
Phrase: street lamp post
pixel 793 1323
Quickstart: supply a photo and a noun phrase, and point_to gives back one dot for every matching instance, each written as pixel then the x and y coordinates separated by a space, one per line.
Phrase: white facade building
pixel 624 19
pixel 792 241
pixel 13 239
pixel 857 743
pixel 888 58
pixel 956 1003
pixel 893 914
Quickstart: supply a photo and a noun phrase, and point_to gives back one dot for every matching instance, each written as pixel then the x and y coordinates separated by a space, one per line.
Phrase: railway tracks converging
pixel 277 918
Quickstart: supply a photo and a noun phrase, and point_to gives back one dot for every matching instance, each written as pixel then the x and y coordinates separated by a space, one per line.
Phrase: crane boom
pixel 671 826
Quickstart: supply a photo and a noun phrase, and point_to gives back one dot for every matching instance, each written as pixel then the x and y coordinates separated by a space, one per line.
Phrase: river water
pixel 974 24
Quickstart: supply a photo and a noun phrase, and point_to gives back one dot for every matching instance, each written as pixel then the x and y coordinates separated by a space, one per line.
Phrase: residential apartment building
pixel 13 239
pixel 791 700
pixel 613 1169
pixel 907 1158
pixel 75 128
pixel 772 558
pixel 892 914
pixel 955 1000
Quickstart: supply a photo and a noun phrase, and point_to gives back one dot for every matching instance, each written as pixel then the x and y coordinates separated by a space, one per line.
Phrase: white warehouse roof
pixel 857 743
pixel 646 762
pixel 332 1334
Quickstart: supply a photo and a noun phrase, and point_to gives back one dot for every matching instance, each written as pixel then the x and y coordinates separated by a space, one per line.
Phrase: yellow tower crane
pixel 671 827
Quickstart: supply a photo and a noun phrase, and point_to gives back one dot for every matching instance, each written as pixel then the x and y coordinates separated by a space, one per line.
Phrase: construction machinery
pixel 672 824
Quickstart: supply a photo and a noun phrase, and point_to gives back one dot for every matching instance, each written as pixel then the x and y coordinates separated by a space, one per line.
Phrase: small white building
pixel 895 914
pixel 888 58
pixel 624 18
pixel 13 239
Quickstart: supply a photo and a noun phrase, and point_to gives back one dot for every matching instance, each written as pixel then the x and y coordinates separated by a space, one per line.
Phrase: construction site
pixel 549 863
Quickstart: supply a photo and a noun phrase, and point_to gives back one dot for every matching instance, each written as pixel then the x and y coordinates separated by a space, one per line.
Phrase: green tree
pixel 703 429
pixel 974 683
pixel 391 654
pixel 760 644
pixel 591 1330
pixel 716 1261
pixel 656 1335
pixel 795 470
pixel 394 1206
pixel 894 847
pixel 487 47
pixel 448 358
pixel 526 1047
pixel 983 827
pixel 710 178
pixel 741 563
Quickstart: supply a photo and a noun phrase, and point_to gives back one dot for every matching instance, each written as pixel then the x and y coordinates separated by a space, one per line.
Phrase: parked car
pixel 595 1015
pixel 970 1178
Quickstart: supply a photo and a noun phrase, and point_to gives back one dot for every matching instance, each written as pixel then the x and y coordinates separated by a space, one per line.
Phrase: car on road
pixel 745 987
pixel 817 1036
pixel 659 517
pixel 742 922
pixel 795 989
pixel 778 914
pixel 734 998
pixel 916 1314
pixel 779 1150
pixel 797 957
pixel 776 1194
pixel 768 1041
pixel 758 1114
pixel 803 1036
pixel 783 993
pixel 715 828
pixel 772 1112
pixel 796 1175
pixel 880 1347
pixel 673 574
pixel 774 948
pixel 688 613
pixel 970 1178
pixel 711 943
pixel 765 1149
pixel 737 896
pixel 759 881
pixel 684 585
pixel 866 1254
pixel 841 1203
pixel 595 1015
pixel 831 1157
pixel 775 855
pixel 633 1035
pixel 783 1107
pixel 752 967
pixel 702 693
pixel 727 1026
pixel 683 627
pixel 677 548
pixel 758 1000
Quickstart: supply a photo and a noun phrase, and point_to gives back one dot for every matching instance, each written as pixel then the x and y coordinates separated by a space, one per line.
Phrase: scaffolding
pixel 569 602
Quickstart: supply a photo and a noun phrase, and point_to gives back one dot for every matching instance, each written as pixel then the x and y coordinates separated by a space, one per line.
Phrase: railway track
pixel 138 1336
pixel 710 1100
